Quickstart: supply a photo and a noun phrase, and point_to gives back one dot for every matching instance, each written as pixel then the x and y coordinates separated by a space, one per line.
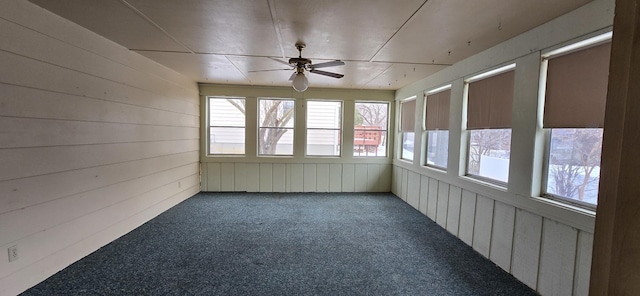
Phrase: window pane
pixel 372 114
pixel 226 140
pixel 276 113
pixel 437 148
pixel 323 142
pixel 324 114
pixel 574 164
pixel 226 112
pixel 407 146
pixel 275 141
pixel 370 130
pixel 226 125
pixel 369 142
pixel 489 152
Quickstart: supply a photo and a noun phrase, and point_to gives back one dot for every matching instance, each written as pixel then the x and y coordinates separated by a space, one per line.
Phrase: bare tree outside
pixel 574 163
pixel 372 114
pixel 489 142
pixel 275 119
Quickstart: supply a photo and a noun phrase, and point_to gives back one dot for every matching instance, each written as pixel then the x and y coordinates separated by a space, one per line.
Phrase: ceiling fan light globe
pixel 300 82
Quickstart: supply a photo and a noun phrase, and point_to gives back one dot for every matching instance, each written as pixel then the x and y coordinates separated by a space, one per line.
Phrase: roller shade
pixel 576 90
pixel 490 101
pixel 437 113
pixel 408 116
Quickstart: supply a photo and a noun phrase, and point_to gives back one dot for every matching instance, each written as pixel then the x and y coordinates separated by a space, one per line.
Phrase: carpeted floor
pixel 285 244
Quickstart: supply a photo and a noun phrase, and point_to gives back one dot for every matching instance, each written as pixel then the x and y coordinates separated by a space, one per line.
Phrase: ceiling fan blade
pixel 292 76
pixel 325 73
pixel 253 71
pixel 280 61
pixel 328 64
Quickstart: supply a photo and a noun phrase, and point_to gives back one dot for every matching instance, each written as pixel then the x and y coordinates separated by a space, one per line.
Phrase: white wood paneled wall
pixel 94 141
pixel 296 177
pixel 548 256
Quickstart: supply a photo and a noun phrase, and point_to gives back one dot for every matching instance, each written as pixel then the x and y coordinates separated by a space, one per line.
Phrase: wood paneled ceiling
pixel 385 44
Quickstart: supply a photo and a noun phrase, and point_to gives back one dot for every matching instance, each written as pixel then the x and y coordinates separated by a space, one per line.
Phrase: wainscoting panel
pixel 453 210
pixel 442 204
pixel 502 235
pixel 546 255
pixel 297 177
pixel 424 191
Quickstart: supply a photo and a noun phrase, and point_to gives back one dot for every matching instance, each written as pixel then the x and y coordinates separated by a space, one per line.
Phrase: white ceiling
pixel 385 44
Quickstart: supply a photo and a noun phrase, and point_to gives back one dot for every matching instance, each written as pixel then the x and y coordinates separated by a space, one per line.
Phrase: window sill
pixel 486 182
pixel 564 205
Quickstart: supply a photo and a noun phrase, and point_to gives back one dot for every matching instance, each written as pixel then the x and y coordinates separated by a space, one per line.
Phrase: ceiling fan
pixel 298 79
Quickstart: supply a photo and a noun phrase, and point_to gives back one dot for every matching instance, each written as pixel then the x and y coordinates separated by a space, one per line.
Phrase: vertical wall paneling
pixel 413 190
pixel 322 177
pixel 405 184
pixel 398 172
pixel 213 177
pixel 279 177
pixel 424 191
pixel 335 177
pixel 557 258
pixel 385 178
pixel 453 210
pixel 394 179
pixel 297 180
pixel 348 177
pixel 373 177
pixel 309 177
pixel 583 264
pixel 526 247
pixel 432 206
pixel 266 177
pixel 203 177
pixel 467 217
pixel 442 204
pixel 502 235
pixel 240 177
pixel 482 225
pixel 252 171
pixel 227 177
pixel 361 177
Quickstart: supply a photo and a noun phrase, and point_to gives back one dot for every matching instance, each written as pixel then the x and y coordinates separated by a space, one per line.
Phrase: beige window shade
pixel 576 90
pixel 490 101
pixel 438 111
pixel 408 116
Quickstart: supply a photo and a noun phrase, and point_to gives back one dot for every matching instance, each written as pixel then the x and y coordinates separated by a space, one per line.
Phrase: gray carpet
pixel 285 244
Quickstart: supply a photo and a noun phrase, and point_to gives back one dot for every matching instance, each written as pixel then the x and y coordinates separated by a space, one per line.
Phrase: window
pixel 275 133
pixel 407 123
pixel 576 80
pixel 437 126
pixel 370 129
pixel 489 102
pixel 226 125
pixel 324 123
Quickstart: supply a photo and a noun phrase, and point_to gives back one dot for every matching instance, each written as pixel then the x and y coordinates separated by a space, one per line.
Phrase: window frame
pixel 403 133
pixel 339 129
pixel 425 132
pixel 385 142
pixel 498 70
pixel 209 126
pixel 259 126
pixel 546 56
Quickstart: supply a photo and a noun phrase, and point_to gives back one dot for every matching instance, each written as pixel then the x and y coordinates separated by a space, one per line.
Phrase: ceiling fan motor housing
pixel 299 61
